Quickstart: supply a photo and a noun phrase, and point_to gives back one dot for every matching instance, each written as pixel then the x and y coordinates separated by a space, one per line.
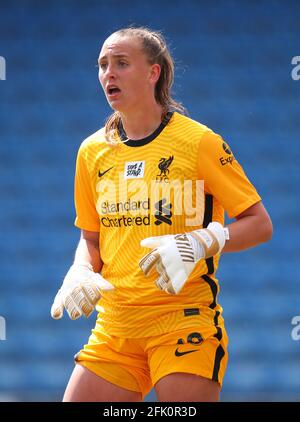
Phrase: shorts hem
pixel 202 374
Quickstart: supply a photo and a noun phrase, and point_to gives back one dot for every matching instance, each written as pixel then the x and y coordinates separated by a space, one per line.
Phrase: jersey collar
pixel 144 141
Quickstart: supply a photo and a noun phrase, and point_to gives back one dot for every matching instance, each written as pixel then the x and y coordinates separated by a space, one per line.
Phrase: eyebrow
pixel 123 55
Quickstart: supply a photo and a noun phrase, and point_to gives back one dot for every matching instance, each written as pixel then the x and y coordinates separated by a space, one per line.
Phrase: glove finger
pixel 148 262
pixel 92 293
pixel 172 286
pixel 57 308
pixel 160 268
pixel 162 281
pixel 86 308
pixel 165 283
pixel 71 307
pixel 81 298
pixel 154 242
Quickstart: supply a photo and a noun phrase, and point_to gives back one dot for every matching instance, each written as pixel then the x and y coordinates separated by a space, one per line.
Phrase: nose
pixel 110 71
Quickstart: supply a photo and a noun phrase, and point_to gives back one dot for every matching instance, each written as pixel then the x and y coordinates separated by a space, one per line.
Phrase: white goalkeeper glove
pixel 175 256
pixel 80 292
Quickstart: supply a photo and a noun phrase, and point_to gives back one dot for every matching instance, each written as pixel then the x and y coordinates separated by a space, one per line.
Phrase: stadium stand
pixel 234 74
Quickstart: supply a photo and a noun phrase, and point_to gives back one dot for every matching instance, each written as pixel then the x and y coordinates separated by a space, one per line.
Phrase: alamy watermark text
pixel 2 69
pixel 296 70
pixel 2 328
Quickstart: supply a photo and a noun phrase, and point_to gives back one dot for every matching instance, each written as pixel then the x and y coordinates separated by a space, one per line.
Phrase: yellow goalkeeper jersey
pixel 176 180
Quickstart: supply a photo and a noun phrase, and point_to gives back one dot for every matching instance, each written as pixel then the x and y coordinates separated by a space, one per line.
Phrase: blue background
pixel 234 75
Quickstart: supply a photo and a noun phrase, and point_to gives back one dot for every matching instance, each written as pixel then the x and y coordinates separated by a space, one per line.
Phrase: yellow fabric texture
pixel 113 196
pixel 138 364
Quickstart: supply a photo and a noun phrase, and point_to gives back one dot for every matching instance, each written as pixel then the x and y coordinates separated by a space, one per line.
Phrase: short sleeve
pixel 223 176
pixel 86 214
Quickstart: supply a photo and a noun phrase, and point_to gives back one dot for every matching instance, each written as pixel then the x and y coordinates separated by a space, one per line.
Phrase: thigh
pixel 182 387
pixel 120 362
pixel 86 386
pixel 189 364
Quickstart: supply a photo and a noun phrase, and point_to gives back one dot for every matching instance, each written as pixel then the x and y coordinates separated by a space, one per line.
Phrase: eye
pixel 102 65
pixel 122 63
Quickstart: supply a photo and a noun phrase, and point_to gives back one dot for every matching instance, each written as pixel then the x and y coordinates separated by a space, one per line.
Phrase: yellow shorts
pixel 137 364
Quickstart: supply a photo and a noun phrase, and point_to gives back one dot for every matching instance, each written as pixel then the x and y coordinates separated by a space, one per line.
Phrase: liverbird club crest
pixel 163 165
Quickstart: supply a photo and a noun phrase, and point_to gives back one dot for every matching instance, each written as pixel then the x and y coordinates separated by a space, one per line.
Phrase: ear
pixel 155 73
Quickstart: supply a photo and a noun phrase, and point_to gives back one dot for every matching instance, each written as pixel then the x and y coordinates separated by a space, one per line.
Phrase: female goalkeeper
pixel 151 189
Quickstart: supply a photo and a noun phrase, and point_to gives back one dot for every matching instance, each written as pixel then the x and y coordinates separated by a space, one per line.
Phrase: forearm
pixel 88 251
pixel 247 232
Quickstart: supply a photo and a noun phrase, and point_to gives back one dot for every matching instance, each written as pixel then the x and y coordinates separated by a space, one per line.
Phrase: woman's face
pixel 127 78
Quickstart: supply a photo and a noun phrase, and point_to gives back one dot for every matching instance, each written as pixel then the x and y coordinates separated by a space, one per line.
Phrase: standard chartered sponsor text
pixel 125 221
pixel 138 198
pixel 130 205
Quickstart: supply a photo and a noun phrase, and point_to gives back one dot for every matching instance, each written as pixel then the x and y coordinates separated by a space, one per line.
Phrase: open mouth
pixel 113 90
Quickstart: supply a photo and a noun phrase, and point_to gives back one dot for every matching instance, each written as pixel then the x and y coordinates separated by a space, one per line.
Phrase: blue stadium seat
pixel 233 75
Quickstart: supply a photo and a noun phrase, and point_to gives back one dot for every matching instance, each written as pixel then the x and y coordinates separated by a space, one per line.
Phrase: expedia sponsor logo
pixel 163 212
pixel 226 148
pixel 134 170
pixel 227 160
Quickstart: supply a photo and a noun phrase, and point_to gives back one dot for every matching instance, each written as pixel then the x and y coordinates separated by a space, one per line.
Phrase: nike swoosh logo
pixel 102 174
pixel 177 353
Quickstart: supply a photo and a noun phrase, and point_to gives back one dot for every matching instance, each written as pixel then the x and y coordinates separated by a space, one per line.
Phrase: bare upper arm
pixel 261 220
pixel 91 236
pixel 257 210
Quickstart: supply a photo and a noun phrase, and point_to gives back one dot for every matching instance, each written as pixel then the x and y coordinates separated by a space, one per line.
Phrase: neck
pixel 142 122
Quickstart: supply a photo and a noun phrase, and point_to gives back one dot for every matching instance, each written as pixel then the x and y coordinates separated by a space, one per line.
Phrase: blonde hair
pixel 155 48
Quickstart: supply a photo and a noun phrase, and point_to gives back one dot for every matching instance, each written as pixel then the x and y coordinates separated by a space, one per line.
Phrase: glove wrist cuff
pixel 212 239
pixel 207 241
